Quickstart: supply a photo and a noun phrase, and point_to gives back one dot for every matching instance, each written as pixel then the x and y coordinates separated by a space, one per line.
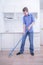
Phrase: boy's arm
pixel 33 21
pixel 31 25
pixel 24 28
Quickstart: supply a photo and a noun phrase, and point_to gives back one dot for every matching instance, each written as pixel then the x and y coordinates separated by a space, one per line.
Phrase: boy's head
pixel 25 11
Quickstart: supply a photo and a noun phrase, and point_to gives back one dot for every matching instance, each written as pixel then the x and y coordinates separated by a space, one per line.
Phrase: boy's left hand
pixel 29 27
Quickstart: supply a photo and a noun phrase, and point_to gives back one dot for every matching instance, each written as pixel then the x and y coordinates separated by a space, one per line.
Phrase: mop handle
pixel 15 46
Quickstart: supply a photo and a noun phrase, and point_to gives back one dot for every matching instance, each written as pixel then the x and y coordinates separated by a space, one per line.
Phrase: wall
pixel 41 25
pixel 9 39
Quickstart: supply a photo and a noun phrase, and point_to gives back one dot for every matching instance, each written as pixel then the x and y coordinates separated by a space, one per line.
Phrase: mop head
pixel 10 54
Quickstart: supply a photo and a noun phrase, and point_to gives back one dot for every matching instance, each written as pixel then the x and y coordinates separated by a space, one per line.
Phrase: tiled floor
pixel 25 59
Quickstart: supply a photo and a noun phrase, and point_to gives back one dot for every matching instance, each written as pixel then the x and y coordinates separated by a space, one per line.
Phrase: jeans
pixel 30 34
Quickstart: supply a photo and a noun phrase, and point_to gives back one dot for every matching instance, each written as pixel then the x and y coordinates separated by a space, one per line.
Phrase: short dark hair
pixel 25 9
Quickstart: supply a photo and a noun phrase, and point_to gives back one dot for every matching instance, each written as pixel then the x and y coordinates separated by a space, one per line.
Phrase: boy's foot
pixel 19 53
pixel 32 54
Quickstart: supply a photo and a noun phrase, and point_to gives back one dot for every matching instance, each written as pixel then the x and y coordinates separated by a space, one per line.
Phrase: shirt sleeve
pixel 24 20
pixel 32 18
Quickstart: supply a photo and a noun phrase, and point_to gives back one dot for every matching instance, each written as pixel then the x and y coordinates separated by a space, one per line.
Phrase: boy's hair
pixel 25 9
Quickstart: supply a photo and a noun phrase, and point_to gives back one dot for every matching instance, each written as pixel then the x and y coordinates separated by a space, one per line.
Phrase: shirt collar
pixel 27 15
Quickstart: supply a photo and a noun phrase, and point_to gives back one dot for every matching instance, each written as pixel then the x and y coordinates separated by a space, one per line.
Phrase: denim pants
pixel 30 34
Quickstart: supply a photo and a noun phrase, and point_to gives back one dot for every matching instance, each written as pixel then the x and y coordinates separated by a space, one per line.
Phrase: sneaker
pixel 19 53
pixel 32 54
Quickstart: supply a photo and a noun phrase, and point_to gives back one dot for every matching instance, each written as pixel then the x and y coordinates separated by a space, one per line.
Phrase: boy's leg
pixel 31 42
pixel 23 43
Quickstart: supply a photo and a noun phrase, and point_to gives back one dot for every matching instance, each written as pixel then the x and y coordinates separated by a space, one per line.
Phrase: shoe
pixel 32 54
pixel 19 53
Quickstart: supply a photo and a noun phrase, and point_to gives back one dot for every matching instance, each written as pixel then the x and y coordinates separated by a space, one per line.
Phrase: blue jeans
pixel 30 34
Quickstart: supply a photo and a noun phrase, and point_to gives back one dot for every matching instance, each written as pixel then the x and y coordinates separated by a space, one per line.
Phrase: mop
pixel 11 52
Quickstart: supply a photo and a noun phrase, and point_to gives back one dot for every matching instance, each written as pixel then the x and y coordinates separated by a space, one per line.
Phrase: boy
pixel 28 21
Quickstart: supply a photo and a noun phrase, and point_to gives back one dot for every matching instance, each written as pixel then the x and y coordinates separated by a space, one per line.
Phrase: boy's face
pixel 25 13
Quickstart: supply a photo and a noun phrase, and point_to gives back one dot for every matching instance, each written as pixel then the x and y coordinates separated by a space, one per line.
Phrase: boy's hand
pixel 23 32
pixel 29 27
pixel 24 28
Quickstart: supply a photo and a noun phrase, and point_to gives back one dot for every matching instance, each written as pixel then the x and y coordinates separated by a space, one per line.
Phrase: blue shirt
pixel 27 20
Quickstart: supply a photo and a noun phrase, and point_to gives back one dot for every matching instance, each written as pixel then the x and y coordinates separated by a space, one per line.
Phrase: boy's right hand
pixel 23 32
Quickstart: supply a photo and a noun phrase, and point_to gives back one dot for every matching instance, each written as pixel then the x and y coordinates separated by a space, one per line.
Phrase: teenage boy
pixel 28 21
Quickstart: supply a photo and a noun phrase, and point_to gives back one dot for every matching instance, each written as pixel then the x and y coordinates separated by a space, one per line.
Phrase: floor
pixel 24 59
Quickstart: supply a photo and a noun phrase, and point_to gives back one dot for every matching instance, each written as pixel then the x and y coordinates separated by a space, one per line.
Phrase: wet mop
pixel 11 52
